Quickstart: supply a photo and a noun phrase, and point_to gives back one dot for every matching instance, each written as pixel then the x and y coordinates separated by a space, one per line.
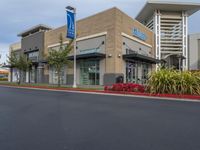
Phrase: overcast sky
pixel 18 15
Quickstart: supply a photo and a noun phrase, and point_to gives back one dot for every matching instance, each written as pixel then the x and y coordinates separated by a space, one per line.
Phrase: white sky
pixel 18 15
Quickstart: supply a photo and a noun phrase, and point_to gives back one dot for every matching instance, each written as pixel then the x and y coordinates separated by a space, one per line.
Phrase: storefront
pixel 138 58
pixel 53 75
pixel 137 72
pixel 89 72
pixel 90 56
pixel 138 68
pixel 110 45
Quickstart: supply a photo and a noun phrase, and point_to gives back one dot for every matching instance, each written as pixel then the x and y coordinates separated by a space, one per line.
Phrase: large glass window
pixel 145 72
pixel 54 76
pixel 33 74
pixel 137 72
pixel 33 56
pixel 89 72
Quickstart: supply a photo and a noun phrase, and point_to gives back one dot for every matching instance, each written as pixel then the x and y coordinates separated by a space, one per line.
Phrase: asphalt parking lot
pixel 46 120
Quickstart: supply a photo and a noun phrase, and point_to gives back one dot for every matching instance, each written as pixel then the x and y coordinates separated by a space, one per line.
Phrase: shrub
pixel 3 79
pixel 168 81
pixel 125 87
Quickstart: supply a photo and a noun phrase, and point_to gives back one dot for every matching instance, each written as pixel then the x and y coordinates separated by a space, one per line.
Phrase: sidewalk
pixel 86 87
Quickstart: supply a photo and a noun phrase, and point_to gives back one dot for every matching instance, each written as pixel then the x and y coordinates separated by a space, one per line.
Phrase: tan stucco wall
pixel 15 47
pixel 102 22
pixel 125 24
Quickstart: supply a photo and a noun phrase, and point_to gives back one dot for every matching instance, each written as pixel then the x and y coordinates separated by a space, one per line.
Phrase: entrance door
pixel 89 72
pixel 131 72
pixel 33 74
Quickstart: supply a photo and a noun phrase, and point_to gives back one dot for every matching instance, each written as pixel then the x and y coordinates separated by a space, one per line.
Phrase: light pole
pixel 72 26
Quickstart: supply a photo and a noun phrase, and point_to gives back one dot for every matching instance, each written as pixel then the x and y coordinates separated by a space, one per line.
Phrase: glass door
pixel 131 72
pixel 33 74
pixel 89 72
pixel 84 76
pixel 145 72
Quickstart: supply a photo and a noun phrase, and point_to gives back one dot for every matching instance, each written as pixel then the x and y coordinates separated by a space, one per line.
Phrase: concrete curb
pixel 108 93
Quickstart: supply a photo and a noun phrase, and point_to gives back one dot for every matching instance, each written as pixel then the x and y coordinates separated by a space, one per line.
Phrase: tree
pixel 58 58
pixel 21 63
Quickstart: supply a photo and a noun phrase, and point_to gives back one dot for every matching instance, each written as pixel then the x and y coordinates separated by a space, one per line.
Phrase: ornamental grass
pixel 169 81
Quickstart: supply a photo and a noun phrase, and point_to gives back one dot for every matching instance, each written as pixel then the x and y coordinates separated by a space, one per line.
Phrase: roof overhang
pixel 30 51
pixel 88 56
pixel 151 5
pixel 34 29
pixel 142 58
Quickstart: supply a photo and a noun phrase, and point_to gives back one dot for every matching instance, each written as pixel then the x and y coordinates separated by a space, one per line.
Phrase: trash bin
pixel 120 79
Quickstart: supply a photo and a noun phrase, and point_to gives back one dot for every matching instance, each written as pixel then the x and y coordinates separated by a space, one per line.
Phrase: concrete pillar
pixel 40 73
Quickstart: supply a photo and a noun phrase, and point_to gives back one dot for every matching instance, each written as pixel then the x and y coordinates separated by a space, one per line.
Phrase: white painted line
pixel 108 94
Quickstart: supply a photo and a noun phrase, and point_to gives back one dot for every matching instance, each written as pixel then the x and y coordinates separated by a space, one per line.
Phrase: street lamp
pixel 73 10
pixel 70 8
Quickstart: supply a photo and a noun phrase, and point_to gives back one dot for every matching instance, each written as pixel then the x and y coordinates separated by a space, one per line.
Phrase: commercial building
pixel 194 53
pixel 3 73
pixel 112 45
pixel 169 22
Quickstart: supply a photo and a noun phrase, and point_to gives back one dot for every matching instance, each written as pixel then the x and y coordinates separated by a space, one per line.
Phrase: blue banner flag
pixel 70 25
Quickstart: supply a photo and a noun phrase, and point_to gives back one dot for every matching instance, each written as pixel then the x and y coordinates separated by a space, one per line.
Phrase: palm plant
pixel 169 81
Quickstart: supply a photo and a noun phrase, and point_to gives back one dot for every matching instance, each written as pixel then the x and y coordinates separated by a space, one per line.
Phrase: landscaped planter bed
pixel 195 97
pixel 137 89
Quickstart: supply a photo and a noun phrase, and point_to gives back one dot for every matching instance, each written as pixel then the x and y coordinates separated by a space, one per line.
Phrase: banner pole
pixel 74 84
pixel 71 34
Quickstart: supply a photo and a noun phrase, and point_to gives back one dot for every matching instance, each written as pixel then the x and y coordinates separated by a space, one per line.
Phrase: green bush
pixel 3 79
pixel 169 81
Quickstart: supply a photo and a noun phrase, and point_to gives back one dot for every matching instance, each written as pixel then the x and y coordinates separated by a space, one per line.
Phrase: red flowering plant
pixel 126 87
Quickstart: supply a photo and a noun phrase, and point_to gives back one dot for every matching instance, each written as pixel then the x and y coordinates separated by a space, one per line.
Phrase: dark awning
pixel 142 58
pixel 30 51
pixel 43 61
pixel 87 56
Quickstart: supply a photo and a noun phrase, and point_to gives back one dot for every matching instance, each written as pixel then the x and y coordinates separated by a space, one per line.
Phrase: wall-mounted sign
pixel 33 56
pixel 70 25
pixel 89 51
pixel 137 33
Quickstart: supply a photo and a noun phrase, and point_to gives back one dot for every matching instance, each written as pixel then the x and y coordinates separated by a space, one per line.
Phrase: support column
pixel 157 17
pixel 185 40
pixel 40 73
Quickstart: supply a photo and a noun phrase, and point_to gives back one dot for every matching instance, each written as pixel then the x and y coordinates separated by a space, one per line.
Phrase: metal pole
pixel 75 84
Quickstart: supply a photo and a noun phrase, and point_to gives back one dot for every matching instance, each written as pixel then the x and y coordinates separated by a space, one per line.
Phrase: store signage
pixel 70 25
pixel 89 51
pixel 33 56
pixel 137 33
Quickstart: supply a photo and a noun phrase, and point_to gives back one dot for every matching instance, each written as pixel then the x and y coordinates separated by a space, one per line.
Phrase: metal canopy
pixel 151 5
pixel 87 56
pixel 141 58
